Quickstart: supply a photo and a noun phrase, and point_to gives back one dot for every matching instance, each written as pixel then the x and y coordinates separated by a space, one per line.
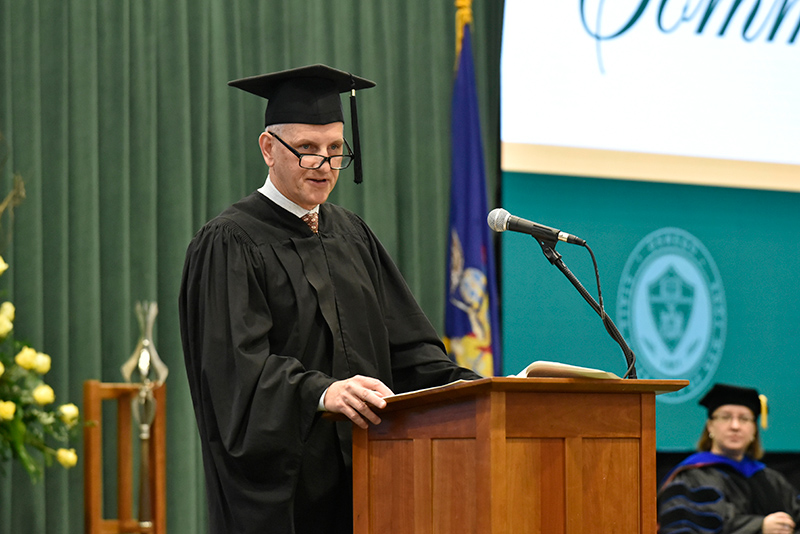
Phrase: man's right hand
pixel 355 398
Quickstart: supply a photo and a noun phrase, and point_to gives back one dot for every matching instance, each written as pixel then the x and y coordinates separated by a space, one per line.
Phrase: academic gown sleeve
pixel 787 495
pixel 702 500
pixel 253 412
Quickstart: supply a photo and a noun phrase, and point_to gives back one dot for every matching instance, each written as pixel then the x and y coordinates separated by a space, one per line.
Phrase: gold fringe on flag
pixel 463 17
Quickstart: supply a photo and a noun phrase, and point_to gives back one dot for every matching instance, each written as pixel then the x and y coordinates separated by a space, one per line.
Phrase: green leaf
pixel 18 434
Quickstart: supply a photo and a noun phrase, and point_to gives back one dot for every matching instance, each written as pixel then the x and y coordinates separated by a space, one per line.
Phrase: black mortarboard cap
pixel 308 95
pixel 722 394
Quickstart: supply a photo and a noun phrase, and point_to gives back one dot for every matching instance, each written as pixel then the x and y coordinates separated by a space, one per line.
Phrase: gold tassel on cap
pixel 763 399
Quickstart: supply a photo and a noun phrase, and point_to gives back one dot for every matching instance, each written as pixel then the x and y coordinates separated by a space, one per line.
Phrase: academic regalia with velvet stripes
pixel 709 493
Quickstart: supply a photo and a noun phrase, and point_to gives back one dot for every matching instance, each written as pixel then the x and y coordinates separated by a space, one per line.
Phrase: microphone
pixel 500 220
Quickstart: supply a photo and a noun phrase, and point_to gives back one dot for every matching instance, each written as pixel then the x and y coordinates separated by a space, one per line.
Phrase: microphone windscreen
pixel 498 219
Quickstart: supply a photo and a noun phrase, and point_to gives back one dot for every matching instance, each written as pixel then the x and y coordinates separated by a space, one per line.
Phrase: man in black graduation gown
pixel 283 319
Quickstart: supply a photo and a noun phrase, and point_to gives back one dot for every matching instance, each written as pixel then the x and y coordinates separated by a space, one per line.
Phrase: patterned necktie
pixel 312 220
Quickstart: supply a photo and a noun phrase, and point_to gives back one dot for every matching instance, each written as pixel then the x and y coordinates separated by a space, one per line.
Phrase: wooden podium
pixel 512 455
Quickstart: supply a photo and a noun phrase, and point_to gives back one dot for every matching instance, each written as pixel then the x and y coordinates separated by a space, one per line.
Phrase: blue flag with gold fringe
pixel 472 333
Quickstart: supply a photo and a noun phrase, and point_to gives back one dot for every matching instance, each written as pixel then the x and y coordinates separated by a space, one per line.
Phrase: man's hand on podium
pixel 355 397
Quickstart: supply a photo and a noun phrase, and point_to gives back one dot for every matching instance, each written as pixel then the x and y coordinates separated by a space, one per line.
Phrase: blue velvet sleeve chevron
pixel 685 510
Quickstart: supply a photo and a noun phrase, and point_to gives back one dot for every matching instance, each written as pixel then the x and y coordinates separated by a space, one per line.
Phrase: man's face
pixel 305 187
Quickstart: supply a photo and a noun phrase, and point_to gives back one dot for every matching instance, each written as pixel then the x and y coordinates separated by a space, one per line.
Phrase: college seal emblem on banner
pixel 671 310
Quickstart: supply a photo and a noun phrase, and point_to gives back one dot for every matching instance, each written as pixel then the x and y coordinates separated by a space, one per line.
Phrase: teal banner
pixel 701 282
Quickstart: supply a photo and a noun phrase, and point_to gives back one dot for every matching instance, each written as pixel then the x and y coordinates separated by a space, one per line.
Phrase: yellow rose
pixel 43 394
pixel 7 309
pixel 69 413
pixel 67 457
pixel 42 364
pixel 7 409
pixel 2 368
pixel 26 358
pixel 3 265
pixel 6 326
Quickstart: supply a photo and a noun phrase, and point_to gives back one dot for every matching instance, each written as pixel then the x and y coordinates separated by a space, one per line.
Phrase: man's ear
pixel 265 142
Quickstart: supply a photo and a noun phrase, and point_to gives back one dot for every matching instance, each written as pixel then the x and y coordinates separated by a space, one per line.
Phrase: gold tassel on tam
pixel 763 399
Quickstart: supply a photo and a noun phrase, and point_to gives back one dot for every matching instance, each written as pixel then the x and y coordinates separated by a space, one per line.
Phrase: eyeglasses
pixel 727 418
pixel 315 161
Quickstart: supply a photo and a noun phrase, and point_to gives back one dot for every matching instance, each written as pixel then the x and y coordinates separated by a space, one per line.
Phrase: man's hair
pixel 278 129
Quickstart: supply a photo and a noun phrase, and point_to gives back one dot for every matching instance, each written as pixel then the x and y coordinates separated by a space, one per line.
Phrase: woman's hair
pixel 754 451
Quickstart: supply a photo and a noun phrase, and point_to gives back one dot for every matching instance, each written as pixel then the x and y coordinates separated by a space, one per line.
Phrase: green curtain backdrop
pixel 118 117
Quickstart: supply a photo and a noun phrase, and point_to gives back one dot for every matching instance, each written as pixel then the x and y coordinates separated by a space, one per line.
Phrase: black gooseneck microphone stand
pixel 549 249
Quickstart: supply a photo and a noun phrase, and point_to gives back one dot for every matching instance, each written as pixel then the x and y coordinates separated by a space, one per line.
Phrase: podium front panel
pixel 506 459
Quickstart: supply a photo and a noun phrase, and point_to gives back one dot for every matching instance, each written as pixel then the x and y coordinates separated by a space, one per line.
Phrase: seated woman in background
pixel 724 488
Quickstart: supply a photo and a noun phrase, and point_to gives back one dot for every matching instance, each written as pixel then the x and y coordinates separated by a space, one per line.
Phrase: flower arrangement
pixel 29 415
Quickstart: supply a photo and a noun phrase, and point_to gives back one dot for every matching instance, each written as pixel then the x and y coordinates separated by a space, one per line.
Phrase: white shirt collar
pixel 271 192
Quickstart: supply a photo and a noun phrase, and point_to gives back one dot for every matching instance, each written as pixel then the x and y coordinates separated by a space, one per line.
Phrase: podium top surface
pixel 464 388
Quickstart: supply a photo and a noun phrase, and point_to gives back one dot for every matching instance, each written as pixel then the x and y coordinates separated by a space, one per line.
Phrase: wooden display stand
pixel 512 455
pixel 94 393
